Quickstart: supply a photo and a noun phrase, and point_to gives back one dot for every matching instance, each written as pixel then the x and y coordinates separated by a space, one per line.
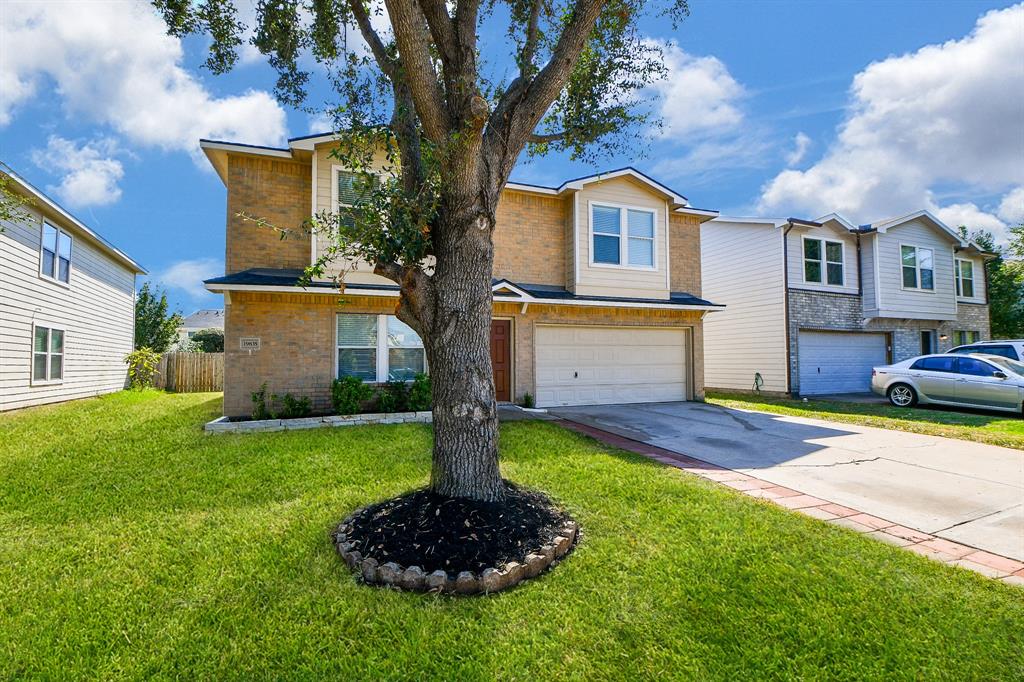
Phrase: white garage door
pixel 833 362
pixel 605 365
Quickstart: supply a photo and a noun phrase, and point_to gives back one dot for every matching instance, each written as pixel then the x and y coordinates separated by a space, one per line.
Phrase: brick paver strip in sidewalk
pixel 994 566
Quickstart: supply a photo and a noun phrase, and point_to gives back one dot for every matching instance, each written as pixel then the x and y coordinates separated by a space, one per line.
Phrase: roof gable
pixel 925 217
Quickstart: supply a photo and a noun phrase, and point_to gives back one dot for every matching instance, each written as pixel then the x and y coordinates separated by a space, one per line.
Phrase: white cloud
pixel 113 63
pixel 321 123
pixel 801 143
pixel 1011 208
pixel 947 115
pixel 969 215
pixel 188 275
pixel 90 172
pixel 698 96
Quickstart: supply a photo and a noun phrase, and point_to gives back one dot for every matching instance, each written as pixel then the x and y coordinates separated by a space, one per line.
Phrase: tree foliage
pixel 154 328
pixel 12 202
pixel 208 341
pixel 142 364
pixel 1005 280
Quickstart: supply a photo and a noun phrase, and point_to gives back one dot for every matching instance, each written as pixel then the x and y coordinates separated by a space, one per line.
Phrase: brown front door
pixel 501 358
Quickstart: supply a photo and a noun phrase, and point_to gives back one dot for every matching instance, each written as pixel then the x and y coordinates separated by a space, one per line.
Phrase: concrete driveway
pixel 966 492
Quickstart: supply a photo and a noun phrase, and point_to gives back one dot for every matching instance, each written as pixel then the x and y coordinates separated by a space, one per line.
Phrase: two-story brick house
pixel 812 306
pixel 597 288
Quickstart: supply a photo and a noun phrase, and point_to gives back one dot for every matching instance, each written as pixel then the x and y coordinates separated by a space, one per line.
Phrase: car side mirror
pixel 999 375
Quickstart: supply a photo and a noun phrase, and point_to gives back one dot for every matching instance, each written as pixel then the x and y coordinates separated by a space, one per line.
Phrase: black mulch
pixel 454 534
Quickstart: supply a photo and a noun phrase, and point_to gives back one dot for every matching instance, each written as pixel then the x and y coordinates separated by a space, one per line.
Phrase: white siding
pixel 896 301
pixel 597 280
pixel 742 267
pixel 96 311
pixel 796 259
pixel 867 274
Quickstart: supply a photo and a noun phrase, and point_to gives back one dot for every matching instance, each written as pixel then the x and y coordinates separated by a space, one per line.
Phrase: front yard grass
pixel 134 546
pixel 984 427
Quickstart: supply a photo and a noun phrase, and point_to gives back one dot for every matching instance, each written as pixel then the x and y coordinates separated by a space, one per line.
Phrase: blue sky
pixel 785 108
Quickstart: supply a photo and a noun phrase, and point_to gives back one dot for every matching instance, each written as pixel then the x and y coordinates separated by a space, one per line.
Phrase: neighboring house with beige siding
pixel 812 306
pixel 67 307
pixel 597 288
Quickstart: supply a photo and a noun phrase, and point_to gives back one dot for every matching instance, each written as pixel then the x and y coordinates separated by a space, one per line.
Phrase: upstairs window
pixel 622 236
pixel 378 348
pixel 830 267
pixel 964 278
pixel 350 190
pixel 55 254
pixel 47 355
pixel 918 268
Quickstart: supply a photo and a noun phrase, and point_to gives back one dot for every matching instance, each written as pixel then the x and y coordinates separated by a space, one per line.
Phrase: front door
pixel 501 358
pixel 927 342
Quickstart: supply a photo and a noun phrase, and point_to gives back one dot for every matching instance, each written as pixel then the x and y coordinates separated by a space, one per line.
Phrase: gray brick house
pixel 812 306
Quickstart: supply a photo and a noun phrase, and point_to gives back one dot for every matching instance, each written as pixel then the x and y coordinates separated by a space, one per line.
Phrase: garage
pixel 839 362
pixel 577 365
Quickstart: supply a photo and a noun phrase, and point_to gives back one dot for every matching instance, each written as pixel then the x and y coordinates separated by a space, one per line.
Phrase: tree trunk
pixel 465 462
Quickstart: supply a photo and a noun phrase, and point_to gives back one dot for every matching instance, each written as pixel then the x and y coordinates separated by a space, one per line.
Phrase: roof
pixel 204 319
pixel 81 227
pixel 272 279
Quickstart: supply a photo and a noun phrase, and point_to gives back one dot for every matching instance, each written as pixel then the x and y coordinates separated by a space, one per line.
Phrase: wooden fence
pixel 190 372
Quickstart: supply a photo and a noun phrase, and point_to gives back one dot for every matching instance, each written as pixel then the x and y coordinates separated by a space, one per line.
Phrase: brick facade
pixel 297 339
pixel 278 191
pixel 684 251
pixel 824 311
pixel 530 239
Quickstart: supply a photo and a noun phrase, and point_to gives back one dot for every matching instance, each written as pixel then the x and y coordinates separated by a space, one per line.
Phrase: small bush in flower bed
pixel 349 395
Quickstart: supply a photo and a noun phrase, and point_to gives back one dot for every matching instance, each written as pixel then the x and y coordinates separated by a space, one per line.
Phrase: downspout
pixel 860 276
pixel 785 306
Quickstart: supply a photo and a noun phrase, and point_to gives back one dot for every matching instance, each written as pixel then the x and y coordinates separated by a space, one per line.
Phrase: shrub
pixel 293 407
pixel 259 403
pixel 528 401
pixel 208 341
pixel 348 395
pixel 420 396
pixel 142 365
pixel 393 397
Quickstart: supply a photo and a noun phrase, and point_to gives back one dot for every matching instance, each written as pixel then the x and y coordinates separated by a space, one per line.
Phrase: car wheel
pixel 902 395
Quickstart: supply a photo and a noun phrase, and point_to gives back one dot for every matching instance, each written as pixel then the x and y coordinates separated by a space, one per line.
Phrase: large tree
pixel 154 327
pixel 1004 275
pixel 417 96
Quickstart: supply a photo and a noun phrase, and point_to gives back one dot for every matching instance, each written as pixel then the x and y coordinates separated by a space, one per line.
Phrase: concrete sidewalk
pixel 958 490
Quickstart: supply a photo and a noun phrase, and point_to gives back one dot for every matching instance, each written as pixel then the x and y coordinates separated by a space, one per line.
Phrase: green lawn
pixel 134 546
pixel 984 427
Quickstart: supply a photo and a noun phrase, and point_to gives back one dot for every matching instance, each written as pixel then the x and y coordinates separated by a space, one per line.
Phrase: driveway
pixel 966 492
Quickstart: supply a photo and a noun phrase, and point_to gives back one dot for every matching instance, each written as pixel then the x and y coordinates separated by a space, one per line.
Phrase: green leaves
pixel 154 328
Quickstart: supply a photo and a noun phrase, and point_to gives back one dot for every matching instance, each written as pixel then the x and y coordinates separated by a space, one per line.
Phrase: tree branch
pixel 441 28
pixel 529 50
pixel 387 65
pixel 413 38
pixel 538 138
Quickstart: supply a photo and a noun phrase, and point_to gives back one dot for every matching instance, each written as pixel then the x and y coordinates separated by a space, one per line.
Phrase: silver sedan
pixel 977 380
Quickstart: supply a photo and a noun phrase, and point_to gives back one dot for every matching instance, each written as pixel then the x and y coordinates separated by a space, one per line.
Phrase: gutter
pixel 785 306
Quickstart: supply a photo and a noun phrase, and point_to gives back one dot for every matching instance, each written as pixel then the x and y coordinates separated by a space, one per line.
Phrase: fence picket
pixel 190 372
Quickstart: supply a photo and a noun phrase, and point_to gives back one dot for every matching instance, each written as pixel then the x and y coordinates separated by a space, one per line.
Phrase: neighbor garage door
pixel 835 362
pixel 604 365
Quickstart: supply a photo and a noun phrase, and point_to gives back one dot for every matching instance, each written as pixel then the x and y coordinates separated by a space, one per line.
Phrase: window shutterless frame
pixel 964 275
pixel 825 256
pixel 915 264
pixel 387 339
pixel 624 235
pixel 55 254
pixel 51 352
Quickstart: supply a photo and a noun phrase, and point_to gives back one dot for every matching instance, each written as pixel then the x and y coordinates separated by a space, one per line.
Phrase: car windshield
pixel 1006 363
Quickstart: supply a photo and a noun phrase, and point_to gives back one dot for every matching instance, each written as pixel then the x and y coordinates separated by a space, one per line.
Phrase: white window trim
pixel 958 279
pixel 823 261
pixel 917 267
pixel 382 348
pixel 32 356
pixel 71 255
pixel 623 263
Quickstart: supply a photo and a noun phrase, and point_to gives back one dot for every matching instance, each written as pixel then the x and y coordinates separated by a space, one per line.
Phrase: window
pixel 974 367
pixel 622 236
pixel 961 337
pixel 349 190
pixel 833 261
pixel 378 348
pixel 918 268
pixel 935 364
pixel 55 254
pixel 965 278
pixel 47 354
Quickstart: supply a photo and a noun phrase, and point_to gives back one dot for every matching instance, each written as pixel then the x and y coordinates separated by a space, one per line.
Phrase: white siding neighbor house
pixel 812 306
pixel 67 306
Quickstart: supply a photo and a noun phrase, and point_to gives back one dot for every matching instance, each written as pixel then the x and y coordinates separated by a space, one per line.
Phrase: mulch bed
pixel 435 532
